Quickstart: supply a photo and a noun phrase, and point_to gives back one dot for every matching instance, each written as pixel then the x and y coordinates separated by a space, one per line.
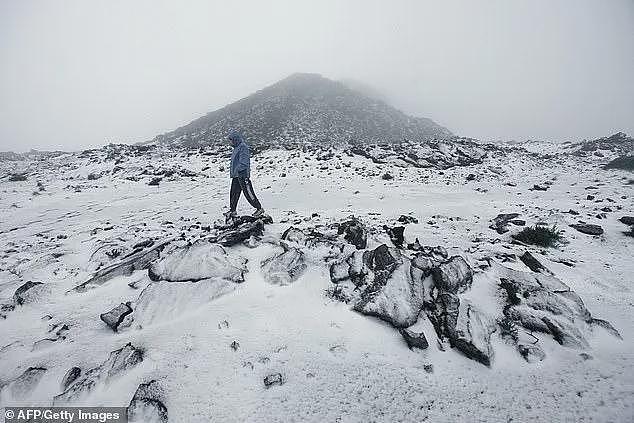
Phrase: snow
pixel 337 364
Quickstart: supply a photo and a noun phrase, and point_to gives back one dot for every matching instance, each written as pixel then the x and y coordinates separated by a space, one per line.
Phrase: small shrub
pixel 542 236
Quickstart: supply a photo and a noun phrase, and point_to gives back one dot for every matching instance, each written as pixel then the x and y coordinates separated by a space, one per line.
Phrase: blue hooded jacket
pixel 240 158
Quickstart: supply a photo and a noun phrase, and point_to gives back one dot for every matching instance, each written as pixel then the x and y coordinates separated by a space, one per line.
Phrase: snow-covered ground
pixel 336 364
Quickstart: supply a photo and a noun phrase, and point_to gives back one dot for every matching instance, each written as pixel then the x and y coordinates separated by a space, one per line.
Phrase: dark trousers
pixel 239 185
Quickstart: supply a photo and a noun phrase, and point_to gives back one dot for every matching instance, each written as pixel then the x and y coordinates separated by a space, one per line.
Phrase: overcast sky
pixel 83 73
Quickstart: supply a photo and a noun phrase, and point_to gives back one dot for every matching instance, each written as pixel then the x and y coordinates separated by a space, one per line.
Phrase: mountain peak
pixel 304 108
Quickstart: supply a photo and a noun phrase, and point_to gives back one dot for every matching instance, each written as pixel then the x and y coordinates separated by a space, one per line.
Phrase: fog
pixel 82 73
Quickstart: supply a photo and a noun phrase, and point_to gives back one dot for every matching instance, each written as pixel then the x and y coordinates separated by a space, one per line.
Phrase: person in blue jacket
pixel 240 172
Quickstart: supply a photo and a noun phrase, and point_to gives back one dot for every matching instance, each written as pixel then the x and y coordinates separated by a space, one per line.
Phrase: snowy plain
pixel 337 364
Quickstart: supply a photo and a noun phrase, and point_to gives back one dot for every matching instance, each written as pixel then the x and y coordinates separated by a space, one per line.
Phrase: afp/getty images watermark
pixel 65 414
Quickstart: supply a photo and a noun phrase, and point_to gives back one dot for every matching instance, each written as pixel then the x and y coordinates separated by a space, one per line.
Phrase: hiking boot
pixel 258 213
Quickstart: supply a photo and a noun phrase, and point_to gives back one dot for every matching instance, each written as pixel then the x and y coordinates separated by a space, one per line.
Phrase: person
pixel 240 172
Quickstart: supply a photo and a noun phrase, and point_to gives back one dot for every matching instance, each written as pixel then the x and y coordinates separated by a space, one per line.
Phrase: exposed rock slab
pixel 118 362
pixel 284 268
pixel 147 404
pixel 201 260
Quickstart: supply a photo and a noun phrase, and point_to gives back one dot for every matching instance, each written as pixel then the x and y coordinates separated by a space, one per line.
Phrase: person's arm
pixel 243 160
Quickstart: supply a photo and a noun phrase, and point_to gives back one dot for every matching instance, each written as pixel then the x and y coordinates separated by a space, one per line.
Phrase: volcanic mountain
pixel 306 108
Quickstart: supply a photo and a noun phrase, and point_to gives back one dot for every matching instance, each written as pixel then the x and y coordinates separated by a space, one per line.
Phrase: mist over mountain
pixel 307 108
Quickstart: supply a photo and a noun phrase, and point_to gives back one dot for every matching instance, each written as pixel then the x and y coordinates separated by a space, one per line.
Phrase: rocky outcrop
pixel 542 303
pixel 414 338
pixel 71 375
pixel 147 404
pixel 136 261
pixel 285 267
pixel 392 288
pixel 354 232
pixel 114 317
pixel 27 292
pixel 23 385
pixel 201 260
pixel 587 228
pixel 501 222
pixel 117 363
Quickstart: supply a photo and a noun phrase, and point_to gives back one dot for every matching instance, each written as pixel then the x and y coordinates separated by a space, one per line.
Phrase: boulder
pixel 396 235
pixel 627 220
pixel 284 268
pixel 588 228
pixel 471 333
pixel 501 221
pixel 273 379
pixel 532 263
pixel 414 338
pixel 354 232
pixel 198 261
pixel 407 219
pixel 241 232
pixel 136 261
pixel 114 317
pixel 147 404
pixel 540 302
pixel 454 275
pixel 118 362
pixel 26 292
pixel 392 291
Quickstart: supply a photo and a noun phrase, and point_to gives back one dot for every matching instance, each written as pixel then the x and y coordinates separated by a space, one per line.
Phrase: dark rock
pixel 273 379
pixel 414 339
pixel 471 177
pixel 470 331
pixel 590 197
pixel 114 317
pixel 628 220
pixel 284 268
pixel 235 345
pixel 532 263
pixel 429 368
pixel 143 244
pixel 588 229
pixel 396 235
pixel 245 230
pixel 354 232
pixel 453 276
pixel 538 188
pixel 415 246
pixel 147 404
pixel 155 181
pixel 501 221
pixel 71 375
pixel 17 177
pixel 407 219
pixel 386 176
pixel 22 294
